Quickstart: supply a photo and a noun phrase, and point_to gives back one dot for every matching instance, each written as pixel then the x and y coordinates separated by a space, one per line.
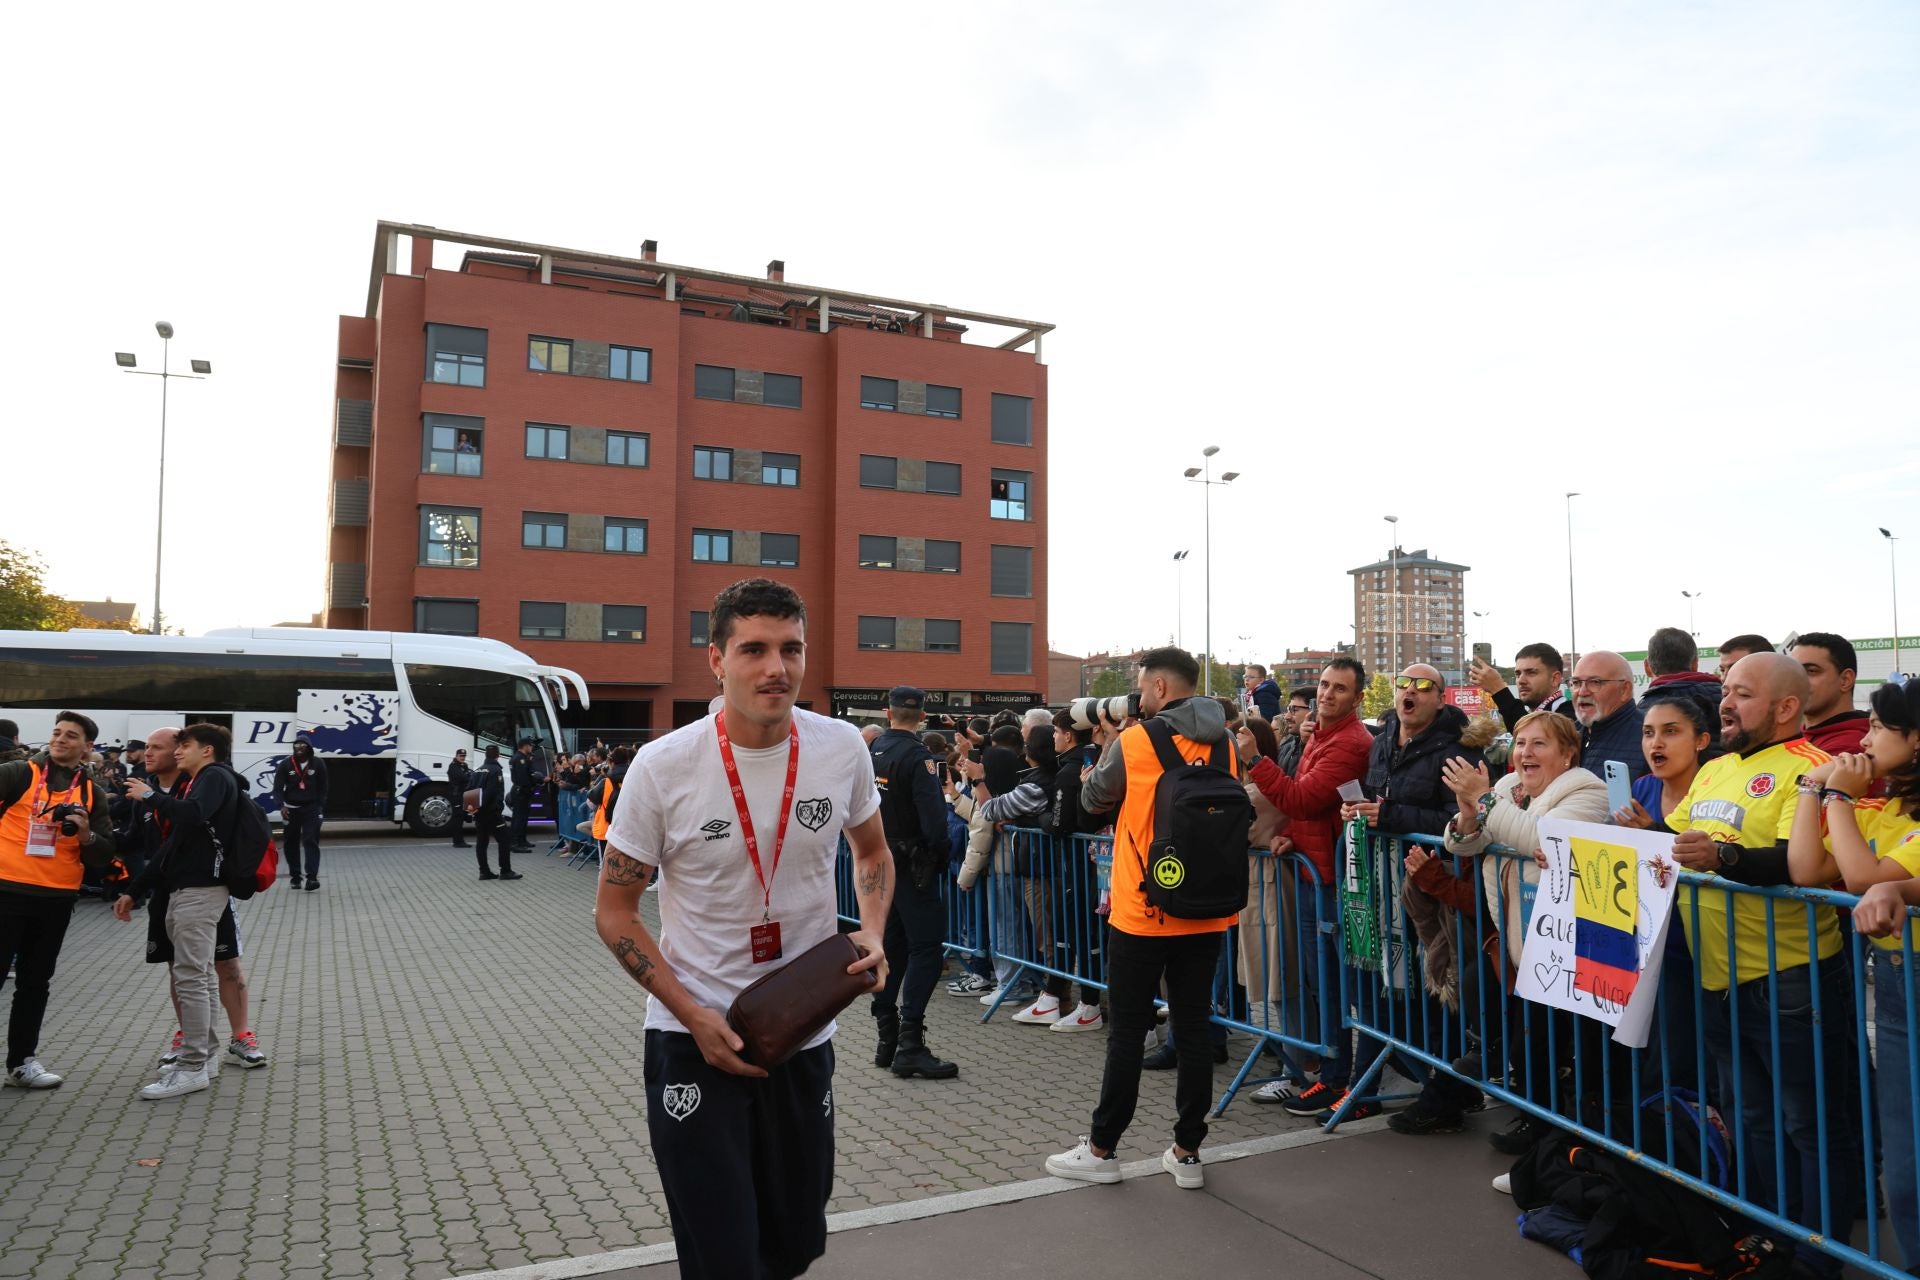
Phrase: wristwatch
pixel 1729 854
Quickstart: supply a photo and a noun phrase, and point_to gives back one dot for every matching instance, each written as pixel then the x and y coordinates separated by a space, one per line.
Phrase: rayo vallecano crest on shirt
pixel 678 811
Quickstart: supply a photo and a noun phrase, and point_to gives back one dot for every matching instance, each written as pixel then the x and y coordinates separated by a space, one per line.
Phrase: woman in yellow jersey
pixel 1870 842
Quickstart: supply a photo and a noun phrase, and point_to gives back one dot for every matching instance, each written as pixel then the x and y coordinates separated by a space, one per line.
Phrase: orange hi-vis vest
pixel 17 865
pixel 1130 912
pixel 603 816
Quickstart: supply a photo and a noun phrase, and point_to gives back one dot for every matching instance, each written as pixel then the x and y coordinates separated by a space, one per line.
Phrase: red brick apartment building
pixel 573 452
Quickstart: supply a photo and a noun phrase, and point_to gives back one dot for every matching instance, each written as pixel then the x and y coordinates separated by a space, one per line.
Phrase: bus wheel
pixel 430 812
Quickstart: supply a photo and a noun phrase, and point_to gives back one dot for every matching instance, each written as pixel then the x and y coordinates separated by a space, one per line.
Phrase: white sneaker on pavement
pixel 1503 1183
pixel 1273 1091
pixel 245 1048
pixel 1086 1018
pixel 1082 1165
pixel 1186 1170
pixel 970 985
pixel 175 1081
pixel 1045 1011
pixel 31 1075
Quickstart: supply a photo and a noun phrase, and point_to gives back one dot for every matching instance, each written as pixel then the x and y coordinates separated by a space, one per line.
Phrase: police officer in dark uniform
pixel 913 810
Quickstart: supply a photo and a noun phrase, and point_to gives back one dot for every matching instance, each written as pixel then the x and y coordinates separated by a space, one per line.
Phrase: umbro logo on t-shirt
pixel 718 829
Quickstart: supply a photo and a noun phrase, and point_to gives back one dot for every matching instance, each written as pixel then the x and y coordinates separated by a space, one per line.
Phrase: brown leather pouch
pixel 788 1007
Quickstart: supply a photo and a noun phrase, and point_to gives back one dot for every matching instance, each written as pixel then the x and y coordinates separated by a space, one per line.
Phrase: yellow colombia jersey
pixel 1891 832
pixel 1749 801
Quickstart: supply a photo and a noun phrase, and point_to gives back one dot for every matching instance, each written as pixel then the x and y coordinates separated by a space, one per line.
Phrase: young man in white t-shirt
pixel 745 810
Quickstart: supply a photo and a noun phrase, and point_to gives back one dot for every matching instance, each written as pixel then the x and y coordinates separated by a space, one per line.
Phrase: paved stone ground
pixel 455 1086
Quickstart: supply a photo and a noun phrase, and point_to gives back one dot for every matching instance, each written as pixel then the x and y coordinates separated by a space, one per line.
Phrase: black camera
pixel 64 815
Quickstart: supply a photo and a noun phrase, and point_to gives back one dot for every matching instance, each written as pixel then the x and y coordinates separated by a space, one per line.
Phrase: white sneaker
pixel 1186 1170
pixel 1086 1018
pixel 1273 1091
pixel 1045 1011
pixel 970 985
pixel 1503 1183
pixel 1084 1166
pixel 246 1050
pixel 175 1081
pixel 31 1075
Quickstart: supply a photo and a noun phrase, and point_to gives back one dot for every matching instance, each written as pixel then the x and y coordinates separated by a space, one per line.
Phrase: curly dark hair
pixel 752 598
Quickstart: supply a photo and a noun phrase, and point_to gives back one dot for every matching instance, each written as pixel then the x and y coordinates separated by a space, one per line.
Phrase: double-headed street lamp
pixel 1203 474
pixel 1893 566
pixel 201 368
pixel 1180 597
pixel 1393 590
pixel 1693 599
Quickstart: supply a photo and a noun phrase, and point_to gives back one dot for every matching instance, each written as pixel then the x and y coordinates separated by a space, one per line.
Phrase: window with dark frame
pixel 713 546
pixel 1012 571
pixel 879 473
pixel 624 623
pixel 1012 649
pixel 943 635
pixel 875 633
pixel 457 355
pixel 697 627
pixel 546 442
pixel 712 382
pixel 1009 497
pixel 782 390
pixel 1012 419
pixel 450 537
pixel 943 477
pixel 626 449
pixel 543 620
pixel 781 469
pixel 452 444
pixel 543 530
pixel 880 393
pixel 780 550
pixel 942 556
pixel 550 355
pixel 877 552
pixel 630 364
pixel 943 402
pixel 626 537
pixel 712 464
pixel 446 617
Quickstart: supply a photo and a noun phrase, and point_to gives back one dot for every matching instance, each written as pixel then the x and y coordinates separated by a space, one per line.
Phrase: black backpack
pixel 251 862
pixel 1196 867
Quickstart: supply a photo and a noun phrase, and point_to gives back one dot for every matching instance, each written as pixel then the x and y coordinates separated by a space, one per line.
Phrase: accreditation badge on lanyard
pixel 42 834
pixel 763 941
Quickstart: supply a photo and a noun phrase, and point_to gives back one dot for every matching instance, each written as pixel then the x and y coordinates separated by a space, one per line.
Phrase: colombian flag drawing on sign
pixel 1607 960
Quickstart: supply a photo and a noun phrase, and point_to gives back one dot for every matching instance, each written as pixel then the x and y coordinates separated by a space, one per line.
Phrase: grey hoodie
pixel 1197 719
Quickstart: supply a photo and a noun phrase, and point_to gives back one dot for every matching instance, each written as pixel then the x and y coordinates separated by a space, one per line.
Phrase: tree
pixel 1378 699
pixel 1225 683
pixel 1108 684
pixel 25 602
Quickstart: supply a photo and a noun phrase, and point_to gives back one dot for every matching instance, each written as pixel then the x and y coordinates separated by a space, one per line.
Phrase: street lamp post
pixel 1393 591
pixel 1693 599
pixel 1893 567
pixel 1180 598
pixel 1203 474
pixel 1573 629
pixel 1483 615
pixel 201 368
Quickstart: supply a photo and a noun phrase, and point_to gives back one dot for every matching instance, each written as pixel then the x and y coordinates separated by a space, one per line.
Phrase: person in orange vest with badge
pixel 605 793
pixel 53 826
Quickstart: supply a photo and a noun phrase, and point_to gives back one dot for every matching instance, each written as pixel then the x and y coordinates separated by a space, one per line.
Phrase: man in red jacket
pixel 1336 754
pixel 1833 725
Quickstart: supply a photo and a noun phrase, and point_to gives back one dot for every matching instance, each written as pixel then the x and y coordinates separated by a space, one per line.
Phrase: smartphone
pixel 946 773
pixel 1483 652
pixel 1619 787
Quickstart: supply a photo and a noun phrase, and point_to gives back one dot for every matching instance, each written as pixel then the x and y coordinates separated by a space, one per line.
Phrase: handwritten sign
pixel 1598 927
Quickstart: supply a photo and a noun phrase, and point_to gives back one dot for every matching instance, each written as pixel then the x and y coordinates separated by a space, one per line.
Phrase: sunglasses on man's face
pixel 1419 684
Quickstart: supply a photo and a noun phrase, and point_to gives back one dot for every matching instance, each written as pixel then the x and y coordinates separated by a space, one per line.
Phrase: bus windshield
pixel 493 706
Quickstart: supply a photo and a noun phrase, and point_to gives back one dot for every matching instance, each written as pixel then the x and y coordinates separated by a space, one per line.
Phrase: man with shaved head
pixel 1734 822
pixel 1609 718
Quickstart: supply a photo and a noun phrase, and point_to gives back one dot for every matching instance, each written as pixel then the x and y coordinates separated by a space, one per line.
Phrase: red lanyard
pixel 44 788
pixel 298 770
pixel 746 819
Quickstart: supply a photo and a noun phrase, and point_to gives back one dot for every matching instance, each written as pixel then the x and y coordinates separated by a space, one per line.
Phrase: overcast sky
pixel 1443 262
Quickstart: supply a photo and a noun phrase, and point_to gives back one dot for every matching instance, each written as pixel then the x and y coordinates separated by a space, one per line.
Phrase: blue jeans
pixel 1895 1095
pixel 1788 1104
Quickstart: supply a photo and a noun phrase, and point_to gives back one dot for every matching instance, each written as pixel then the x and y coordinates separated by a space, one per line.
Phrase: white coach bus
pixel 385 709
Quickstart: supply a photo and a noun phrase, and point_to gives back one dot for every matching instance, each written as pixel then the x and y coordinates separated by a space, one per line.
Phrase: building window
pixel 712 464
pixel 780 469
pixel 626 623
pixel 546 442
pixel 1012 649
pixel 452 444
pixel 880 393
pixel 550 355
pixel 447 617
pixel 711 382
pixel 543 529
pixel 630 364
pixel 943 477
pixel 879 473
pixel 713 545
pixel 876 633
pixel 1012 419
pixel 1012 573
pixel 628 537
pixel 543 620
pixel 450 537
pixel 942 556
pixel 943 402
pixel 781 550
pixel 697 627
pixel 456 355
pixel 1009 499
pixel 625 449
pixel 877 552
pixel 943 635
pixel 782 390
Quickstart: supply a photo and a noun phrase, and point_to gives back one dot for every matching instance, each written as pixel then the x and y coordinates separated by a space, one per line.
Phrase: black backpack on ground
pixel 1196 866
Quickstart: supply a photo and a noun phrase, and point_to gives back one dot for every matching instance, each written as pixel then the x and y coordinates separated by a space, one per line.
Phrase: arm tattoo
pixel 622 870
pixel 635 961
pixel 872 880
